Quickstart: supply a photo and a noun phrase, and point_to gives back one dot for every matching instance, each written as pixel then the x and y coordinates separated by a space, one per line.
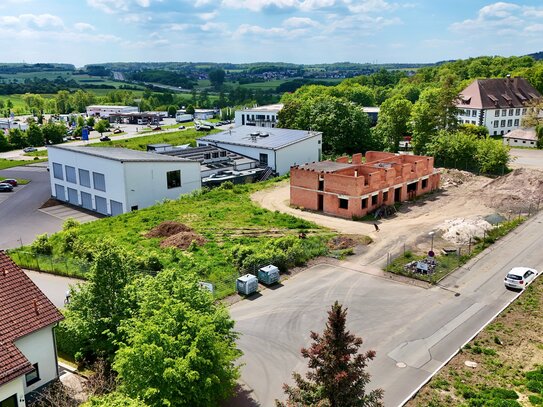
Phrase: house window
pixel 134 208
pixel 174 179
pixel 385 196
pixel 467 112
pixel 504 112
pixel 474 113
pixel 503 123
pixel 33 376
pixel 264 159
pixel 523 141
pixel 523 111
pixel 99 181
pixel 84 178
pixel 374 200
pixel 70 174
pixel 516 122
pixel 343 203
pixel 509 123
pixel 497 113
pixel 57 171
pixel 496 123
pixel 517 112
pixel 223 153
pixel 364 203
pixel 11 401
pixel 511 112
pixel 424 184
pixel 216 154
pixel 207 156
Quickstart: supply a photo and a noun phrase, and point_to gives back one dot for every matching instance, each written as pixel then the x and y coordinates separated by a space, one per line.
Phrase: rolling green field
pixel 4 164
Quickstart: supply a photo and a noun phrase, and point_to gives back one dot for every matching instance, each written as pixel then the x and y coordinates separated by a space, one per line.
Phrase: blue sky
pixel 299 31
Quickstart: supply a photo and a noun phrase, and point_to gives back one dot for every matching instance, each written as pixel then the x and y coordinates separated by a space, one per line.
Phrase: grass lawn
pixel 4 164
pixel 175 138
pixel 509 356
pixel 223 217
pixel 39 153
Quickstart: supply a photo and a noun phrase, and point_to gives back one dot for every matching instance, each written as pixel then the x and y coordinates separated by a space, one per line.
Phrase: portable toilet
pixel 268 274
pixel 247 284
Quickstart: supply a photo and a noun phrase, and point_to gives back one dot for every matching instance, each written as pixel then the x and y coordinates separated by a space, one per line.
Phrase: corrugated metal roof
pixel 276 138
pixel 121 154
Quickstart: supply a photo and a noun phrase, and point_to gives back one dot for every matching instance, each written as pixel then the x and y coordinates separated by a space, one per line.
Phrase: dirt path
pixel 410 227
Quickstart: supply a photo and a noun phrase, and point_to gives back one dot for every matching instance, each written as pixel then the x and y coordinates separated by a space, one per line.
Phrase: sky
pixel 299 31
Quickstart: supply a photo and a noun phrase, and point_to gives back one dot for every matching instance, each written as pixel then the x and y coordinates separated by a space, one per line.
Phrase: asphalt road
pixel 414 330
pixel 55 287
pixel 20 219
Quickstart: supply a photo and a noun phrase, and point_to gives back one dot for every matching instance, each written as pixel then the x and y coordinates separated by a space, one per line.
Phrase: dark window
pixel 412 187
pixel 263 159
pixel 33 376
pixel 84 178
pixel 223 153
pixel 424 183
pixel 343 203
pixel 321 185
pixel 207 156
pixel 174 179
pixel 385 196
pixel 11 401
pixel 374 200
pixel 364 203
pixel 101 204
pixel 509 123
pixel 99 181
pixel 215 155
pixel 70 174
pixel 57 171
pixel 134 208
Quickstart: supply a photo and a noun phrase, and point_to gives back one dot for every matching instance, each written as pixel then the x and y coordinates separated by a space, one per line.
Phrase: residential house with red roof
pixel 28 357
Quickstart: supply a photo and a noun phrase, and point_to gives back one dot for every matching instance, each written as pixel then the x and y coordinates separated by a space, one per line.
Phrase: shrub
pixel 70 223
pixel 42 245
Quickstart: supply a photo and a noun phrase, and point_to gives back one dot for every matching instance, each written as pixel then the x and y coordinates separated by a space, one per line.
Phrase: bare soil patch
pixel 342 242
pixel 167 229
pixel 183 240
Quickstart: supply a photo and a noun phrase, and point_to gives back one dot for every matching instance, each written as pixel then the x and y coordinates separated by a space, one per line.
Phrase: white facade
pixel 278 156
pixel 105 111
pixel 497 121
pixel 118 184
pixel 13 390
pixel 6 124
pixel 262 116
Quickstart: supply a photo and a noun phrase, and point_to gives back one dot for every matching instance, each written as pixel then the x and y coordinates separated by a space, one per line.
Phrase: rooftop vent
pixel 263 134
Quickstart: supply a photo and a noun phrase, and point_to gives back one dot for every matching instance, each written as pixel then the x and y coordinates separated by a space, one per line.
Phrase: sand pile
pixel 451 177
pixel 168 228
pixel 460 230
pixel 517 191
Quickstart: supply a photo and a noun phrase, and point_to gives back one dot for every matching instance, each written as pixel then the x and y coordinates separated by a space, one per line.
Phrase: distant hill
pixel 537 55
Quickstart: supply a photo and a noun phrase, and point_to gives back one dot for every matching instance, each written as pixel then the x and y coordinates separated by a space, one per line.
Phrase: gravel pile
pixel 460 230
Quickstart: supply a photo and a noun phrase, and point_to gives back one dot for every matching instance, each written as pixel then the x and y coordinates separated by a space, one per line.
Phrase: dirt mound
pixel 183 240
pixel 517 191
pixel 451 177
pixel 342 242
pixel 167 229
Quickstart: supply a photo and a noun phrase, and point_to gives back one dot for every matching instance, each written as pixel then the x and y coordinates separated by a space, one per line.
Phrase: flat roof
pixel 276 138
pixel 371 109
pixel 121 154
pixel 265 108
pixel 109 106
pixel 323 166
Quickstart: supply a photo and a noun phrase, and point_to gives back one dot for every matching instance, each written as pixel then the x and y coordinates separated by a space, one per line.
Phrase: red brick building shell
pixel 348 189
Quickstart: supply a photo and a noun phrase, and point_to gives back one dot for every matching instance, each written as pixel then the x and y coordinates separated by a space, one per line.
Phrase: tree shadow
pixel 242 398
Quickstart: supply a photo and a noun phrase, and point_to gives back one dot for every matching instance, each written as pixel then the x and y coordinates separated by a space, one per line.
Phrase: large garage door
pixel 116 207
pixel 86 200
pixel 101 204
pixel 73 198
pixel 59 192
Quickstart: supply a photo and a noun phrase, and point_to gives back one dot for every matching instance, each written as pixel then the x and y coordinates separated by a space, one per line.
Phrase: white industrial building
pixel 113 180
pixel 278 149
pixel 497 104
pixel 261 116
pixel 105 111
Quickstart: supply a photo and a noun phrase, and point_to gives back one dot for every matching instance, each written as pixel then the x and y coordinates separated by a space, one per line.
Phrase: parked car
pixel 105 138
pixel 5 187
pixel 10 181
pixel 181 127
pixel 520 277
pixel 117 131
pixel 29 149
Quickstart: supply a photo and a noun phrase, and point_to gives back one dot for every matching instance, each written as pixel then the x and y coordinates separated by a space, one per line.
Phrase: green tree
pixel 34 135
pixel 101 126
pixel 190 109
pixel 216 77
pixel 4 143
pixel 81 99
pixel 80 121
pixel 17 138
pixel 34 102
pixel 114 399
pixel 53 132
pixel 393 121
pixel 90 121
pixel 492 156
pixel 337 376
pixel 172 110
pixel 62 100
pixel 98 307
pixel 180 347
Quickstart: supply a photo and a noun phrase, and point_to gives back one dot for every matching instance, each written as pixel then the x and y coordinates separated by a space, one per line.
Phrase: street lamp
pixel 432 235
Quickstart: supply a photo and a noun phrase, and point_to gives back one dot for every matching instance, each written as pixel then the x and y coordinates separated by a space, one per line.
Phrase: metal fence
pixel 41 262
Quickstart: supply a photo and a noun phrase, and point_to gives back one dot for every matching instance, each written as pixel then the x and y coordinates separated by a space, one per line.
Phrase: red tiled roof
pixel 23 310
pixel 497 93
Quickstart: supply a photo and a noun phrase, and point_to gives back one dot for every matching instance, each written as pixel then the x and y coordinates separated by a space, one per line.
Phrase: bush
pixel 70 223
pixel 42 245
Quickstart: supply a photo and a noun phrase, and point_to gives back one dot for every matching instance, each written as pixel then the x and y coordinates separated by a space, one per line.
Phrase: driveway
pixel 527 158
pixel 414 330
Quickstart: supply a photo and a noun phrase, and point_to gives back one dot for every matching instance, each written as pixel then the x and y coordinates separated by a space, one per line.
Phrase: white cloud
pixel 257 5
pixel 84 27
pixel 208 16
pixel 297 22
pixel 116 6
pixel 34 21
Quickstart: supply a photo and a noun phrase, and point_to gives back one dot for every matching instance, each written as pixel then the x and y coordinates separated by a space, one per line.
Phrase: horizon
pixel 307 32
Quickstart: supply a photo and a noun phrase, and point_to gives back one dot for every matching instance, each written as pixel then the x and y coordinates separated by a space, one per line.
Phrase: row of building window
pixel 509 122
pixel 69 173
pixel 516 112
